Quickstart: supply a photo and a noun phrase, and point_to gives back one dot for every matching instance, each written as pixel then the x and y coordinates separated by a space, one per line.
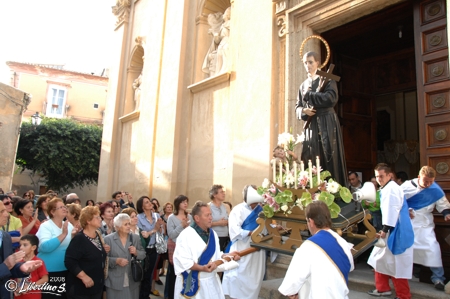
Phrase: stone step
pixel 361 280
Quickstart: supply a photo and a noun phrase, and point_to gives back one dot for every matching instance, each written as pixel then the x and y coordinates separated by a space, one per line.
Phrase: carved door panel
pixel 433 87
pixel 433 95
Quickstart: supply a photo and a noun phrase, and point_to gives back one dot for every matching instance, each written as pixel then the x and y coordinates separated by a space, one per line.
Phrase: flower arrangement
pixel 276 200
pixel 286 174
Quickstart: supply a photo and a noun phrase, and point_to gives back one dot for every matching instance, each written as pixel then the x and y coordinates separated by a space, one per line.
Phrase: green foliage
pixel 345 194
pixel 65 153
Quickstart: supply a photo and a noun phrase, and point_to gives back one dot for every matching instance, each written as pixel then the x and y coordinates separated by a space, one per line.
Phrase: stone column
pixel 13 102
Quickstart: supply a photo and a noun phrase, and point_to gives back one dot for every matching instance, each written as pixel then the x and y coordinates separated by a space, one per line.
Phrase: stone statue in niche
pixel 137 92
pixel 216 60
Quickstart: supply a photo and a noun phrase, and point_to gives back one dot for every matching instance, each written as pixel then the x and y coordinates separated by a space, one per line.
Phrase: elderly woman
pixel 107 214
pixel 149 223
pixel 29 218
pixel 54 238
pixel 120 283
pixel 14 225
pixel 42 207
pixel 85 258
pixel 134 229
pixel 73 215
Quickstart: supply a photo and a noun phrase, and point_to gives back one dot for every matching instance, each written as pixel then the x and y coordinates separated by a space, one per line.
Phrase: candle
pixel 295 175
pixel 302 166
pixel 287 171
pixel 310 174
pixel 281 174
pixel 318 170
pixel 274 170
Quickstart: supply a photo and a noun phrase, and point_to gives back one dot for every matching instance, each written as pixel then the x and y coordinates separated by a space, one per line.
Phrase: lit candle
pixel 310 174
pixel 295 175
pixel 302 166
pixel 274 170
pixel 318 170
pixel 281 174
pixel 287 171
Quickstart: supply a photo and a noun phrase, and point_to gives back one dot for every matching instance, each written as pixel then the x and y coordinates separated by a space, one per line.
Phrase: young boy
pixel 29 244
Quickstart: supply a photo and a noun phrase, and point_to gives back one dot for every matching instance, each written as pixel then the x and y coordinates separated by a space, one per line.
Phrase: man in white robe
pixel 245 281
pixel 395 260
pixel 189 259
pixel 427 251
pixel 320 266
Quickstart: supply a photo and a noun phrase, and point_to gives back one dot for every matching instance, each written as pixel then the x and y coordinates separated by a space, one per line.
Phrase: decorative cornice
pixel 208 82
pixel 121 10
pixel 280 6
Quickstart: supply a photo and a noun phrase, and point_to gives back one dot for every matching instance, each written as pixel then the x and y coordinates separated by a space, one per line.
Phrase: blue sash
pixel 426 197
pixel 331 247
pixel 401 236
pixel 191 283
pixel 248 224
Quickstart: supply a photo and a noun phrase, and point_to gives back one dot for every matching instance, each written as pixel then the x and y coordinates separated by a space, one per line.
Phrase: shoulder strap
pixel 414 184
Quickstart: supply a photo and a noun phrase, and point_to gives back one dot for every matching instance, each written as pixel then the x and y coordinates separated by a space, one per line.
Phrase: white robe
pixel 427 251
pixel 189 248
pixel 245 281
pixel 312 274
pixel 382 259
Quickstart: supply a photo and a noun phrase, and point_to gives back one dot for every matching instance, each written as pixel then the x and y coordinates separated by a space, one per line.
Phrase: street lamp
pixel 36 119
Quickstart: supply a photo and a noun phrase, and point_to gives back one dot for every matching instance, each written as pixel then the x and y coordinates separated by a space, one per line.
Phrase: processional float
pixel 345 222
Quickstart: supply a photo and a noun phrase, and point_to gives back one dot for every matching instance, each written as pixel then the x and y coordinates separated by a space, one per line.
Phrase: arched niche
pixel 203 39
pixel 135 66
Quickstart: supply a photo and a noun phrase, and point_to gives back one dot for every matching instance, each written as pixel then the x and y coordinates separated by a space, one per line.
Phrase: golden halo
pixel 323 41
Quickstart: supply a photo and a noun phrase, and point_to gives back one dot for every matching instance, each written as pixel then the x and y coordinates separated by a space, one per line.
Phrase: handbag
pixel 105 268
pixel 136 268
pixel 161 243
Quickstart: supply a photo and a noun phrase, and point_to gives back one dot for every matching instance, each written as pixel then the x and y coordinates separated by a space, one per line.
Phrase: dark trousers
pixel 57 280
pixel 169 288
pixel 71 295
pixel 150 264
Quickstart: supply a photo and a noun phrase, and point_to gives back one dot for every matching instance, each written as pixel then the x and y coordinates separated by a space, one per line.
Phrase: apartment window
pixel 56 100
pixel 95 106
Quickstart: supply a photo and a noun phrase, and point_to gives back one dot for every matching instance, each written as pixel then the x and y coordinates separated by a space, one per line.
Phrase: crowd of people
pixel 86 252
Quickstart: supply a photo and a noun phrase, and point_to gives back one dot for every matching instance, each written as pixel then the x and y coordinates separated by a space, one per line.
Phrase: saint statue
pixel 323 136
pixel 137 92
pixel 216 61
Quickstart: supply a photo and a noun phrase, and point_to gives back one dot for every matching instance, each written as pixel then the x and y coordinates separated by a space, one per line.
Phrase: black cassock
pixel 323 137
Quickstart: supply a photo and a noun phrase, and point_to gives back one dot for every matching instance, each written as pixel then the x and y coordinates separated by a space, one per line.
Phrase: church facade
pixel 200 90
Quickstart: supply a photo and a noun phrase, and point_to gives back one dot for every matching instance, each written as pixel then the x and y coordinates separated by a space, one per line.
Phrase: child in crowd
pixel 29 245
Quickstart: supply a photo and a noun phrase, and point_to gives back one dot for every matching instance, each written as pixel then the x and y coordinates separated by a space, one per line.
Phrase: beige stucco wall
pixel 12 104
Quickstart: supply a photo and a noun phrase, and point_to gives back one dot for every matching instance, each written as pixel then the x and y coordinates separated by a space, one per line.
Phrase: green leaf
pixel 260 190
pixel 345 194
pixel 334 210
pixel 326 197
pixel 306 198
pixel 268 211
pixel 324 174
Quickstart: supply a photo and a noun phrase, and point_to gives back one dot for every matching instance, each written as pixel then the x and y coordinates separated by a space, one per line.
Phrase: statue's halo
pixel 323 41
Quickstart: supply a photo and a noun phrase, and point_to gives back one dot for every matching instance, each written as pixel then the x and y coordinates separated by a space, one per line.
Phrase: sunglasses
pixel 7 203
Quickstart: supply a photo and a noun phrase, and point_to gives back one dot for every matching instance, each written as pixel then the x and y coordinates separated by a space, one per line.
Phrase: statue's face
pixel 311 65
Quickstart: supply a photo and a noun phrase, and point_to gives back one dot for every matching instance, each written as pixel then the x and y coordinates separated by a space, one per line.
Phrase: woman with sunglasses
pixel 14 225
pixel 41 206
pixel 54 238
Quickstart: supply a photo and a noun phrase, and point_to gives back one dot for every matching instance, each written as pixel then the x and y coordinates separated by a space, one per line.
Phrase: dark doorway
pixel 375 58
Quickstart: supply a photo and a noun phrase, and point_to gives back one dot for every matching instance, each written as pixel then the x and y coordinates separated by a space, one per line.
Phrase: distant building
pixel 61 93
